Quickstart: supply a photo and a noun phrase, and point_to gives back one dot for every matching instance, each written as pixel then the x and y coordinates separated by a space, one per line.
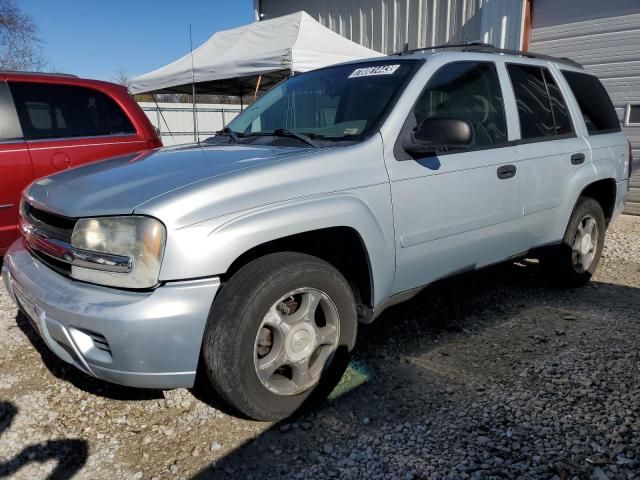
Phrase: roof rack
pixel 489 48
pixel 20 72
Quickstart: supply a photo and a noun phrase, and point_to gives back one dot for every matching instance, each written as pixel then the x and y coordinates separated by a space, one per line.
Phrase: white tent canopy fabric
pixel 231 60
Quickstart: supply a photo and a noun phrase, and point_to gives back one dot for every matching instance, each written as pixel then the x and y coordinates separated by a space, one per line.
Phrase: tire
pixel 238 343
pixel 568 264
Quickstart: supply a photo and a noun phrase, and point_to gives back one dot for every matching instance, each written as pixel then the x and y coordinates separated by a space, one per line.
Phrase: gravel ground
pixel 490 375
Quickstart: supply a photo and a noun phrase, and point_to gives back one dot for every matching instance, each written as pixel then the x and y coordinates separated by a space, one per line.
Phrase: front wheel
pixel 576 259
pixel 280 334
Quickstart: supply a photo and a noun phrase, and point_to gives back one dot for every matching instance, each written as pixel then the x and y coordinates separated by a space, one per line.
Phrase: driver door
pixel 455 211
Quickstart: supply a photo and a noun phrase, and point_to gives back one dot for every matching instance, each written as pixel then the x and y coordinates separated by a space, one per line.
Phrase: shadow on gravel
pixel 203 391
pixel 70 454
pixel 69 373
pixel 400 391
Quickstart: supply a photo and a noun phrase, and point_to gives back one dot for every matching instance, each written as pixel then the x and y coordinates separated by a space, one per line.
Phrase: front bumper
pixel 140 339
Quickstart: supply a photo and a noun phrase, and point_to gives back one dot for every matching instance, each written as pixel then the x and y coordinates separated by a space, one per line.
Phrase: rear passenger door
pixel 454 211
pixel 15 168
pixel 68 125
pixel 551 153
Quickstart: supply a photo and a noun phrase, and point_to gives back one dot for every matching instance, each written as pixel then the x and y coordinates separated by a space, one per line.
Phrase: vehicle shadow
pixel 397 390
pixel 70 454
pixel 69 373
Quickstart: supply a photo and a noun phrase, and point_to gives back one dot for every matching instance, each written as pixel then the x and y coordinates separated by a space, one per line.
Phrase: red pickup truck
pixel 51 122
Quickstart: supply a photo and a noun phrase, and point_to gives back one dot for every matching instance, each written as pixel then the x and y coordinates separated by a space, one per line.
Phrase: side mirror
pixel 436 134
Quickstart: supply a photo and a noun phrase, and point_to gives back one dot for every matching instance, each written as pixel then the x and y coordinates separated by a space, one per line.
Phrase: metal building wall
pixel 604 36
pixel 385 25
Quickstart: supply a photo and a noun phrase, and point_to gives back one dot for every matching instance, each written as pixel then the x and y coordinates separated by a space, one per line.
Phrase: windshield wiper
pixel 228 133
pixel 282 132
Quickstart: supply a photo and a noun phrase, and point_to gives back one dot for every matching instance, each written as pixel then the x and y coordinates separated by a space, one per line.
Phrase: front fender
pixel 209 248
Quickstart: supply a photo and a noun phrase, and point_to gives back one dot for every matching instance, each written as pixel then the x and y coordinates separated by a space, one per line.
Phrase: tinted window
pixel 62 111
pixel 561 117
pixel 468 91
pixel 534 105
pixel 595 104
pixel 634 115
pixel 9 124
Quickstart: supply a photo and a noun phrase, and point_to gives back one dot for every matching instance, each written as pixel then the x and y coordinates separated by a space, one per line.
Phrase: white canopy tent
pixel 255 56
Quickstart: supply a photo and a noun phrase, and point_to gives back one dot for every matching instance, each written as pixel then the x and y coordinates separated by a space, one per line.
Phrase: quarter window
pixel 595 104
pixel 468 91
pixel 63 111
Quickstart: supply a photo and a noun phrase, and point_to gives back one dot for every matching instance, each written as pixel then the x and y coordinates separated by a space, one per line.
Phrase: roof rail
pixel 406 50
pixel 488 48
pixel 20 72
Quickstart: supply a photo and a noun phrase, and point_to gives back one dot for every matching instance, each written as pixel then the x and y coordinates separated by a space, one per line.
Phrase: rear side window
pixel 541 108
pixel 468 91
pixel 559 110
pixel 65 111
pixel 595 104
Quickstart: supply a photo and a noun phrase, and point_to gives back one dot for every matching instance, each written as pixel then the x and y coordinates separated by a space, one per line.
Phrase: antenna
pixel 193 91
pixel 153 95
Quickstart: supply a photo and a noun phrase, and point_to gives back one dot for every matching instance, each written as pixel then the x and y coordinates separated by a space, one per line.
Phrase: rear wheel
pixel 576 259
pixel 280 334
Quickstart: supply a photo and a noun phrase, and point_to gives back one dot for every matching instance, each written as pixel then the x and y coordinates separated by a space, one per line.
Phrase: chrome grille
pixel 56 226
pixel 52 226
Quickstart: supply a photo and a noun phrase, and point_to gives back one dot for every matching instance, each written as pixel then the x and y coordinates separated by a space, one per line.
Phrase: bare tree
pixel 20 47
pixel 122 78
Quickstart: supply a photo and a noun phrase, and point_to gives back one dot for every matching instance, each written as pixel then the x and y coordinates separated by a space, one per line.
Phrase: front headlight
pixel 118 251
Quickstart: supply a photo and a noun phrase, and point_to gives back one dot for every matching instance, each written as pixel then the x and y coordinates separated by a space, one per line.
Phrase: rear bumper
pixel 140 339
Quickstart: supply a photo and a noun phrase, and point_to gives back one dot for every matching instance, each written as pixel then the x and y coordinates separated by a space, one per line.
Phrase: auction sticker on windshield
pixel 370 71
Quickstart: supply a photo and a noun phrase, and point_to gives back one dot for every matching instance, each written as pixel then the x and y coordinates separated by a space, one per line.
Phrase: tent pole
pixel 193 91
pixel 195 115
pixel 291 65
pixel 241 105
pixel 255 94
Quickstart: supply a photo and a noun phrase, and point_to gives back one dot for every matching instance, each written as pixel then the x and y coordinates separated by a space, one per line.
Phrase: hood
pixel 118 185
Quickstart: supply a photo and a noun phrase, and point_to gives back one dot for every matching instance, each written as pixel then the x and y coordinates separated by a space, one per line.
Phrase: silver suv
pixel 251 257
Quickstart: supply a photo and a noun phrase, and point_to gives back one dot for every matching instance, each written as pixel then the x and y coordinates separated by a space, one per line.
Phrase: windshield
pixel 334 104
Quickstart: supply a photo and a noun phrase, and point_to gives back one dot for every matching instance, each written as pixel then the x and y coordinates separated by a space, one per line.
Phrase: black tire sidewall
pixel 569 275
pixel 236 317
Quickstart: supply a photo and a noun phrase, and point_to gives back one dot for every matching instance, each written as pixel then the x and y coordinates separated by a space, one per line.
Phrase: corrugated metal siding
pixel 386 25
pixel 603 35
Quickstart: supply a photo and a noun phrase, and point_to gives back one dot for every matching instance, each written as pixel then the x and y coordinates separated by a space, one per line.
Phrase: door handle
pixel 506 171
pixel 577 158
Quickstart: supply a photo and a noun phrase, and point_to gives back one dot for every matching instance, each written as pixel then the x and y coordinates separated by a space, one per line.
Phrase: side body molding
pixel 210 247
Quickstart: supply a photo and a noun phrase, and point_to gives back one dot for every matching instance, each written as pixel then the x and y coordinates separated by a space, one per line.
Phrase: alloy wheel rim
pixel 296 339
pixel 585 244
